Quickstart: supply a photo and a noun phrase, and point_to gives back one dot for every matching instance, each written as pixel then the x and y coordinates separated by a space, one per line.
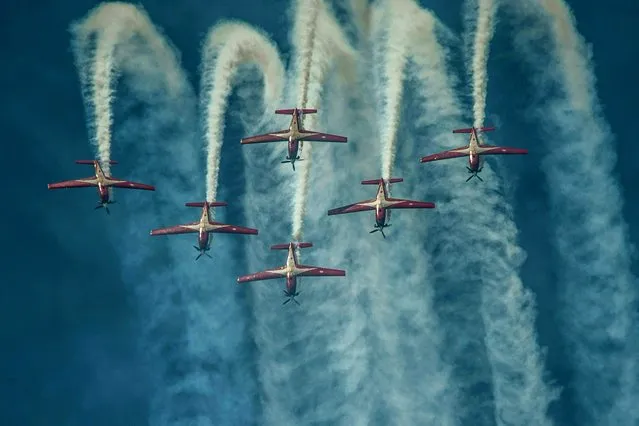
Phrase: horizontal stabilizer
pixel 378 181
pixel 292 110
pixel 201 204
pixel 470 129
pixel 295 245
pixel 92 162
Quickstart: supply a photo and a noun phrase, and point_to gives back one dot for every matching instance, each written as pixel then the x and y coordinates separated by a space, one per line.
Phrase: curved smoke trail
pixel 476 257
pixel 483 34
pixel 228 46
pixel 394 63
pixel 599 288
pixel 179 315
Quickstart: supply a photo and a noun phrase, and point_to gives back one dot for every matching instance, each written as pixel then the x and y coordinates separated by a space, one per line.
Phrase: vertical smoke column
pixel 476 258
pixel 599 289
pixel 228 46
pixel 394 64
pixel 483 34
pixel 304 33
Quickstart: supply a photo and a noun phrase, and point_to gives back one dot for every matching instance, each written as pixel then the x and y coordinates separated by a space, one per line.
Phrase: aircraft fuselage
pixel 203 234
pixel 474 160
pixel 103 190
pixel 293 148
pixel 381 214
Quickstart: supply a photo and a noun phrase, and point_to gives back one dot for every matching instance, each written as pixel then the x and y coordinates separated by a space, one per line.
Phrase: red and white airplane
pixel 291 271
pixel 294 134
pixel 382 204
pixel 102 182
pixel 474 151
pixel 203 227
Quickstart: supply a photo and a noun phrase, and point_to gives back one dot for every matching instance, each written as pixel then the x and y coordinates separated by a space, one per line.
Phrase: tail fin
pixel 201 204
pixel 378 181
pixel 470 129
pixel 92 162
pixel 292 110
pixel 295 245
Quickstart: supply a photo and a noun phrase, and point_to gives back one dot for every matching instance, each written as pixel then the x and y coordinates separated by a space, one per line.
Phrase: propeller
pixel 380 229
pixel 288 160
pixel 291 297
pixel 105 206
pixel 474 174
pixel 202 252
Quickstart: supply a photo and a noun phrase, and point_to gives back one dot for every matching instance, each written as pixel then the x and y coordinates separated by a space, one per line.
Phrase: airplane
pixel 102 182
pixel 382 204
pixel 294 134
pixel 474 150
pixel 291 271
pixel 203 227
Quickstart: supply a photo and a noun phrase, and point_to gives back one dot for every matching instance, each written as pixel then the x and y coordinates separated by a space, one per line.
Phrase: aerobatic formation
pixel 382 204
pixel 294 136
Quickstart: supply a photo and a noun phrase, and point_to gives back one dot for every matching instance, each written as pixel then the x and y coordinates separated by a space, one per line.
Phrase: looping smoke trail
pixel 483 35
pixel 228 46
pixel 329 48
pixel 394 63
pixel 508 359
pixel 599 289
pixel 178 314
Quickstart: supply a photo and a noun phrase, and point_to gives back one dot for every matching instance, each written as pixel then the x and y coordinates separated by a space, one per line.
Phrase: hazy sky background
pixel 69 318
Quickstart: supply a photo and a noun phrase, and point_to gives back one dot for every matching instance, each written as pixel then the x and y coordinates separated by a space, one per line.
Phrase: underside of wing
pixel 230 229
pixel 187 228
pixel 352 208
pixel 75 183
pixel 261 276
pixel 119 183
pixel 399 203
pixel 316 271
pixel 453 153
pixel 499 150
pixel 309 135
pixel 268 137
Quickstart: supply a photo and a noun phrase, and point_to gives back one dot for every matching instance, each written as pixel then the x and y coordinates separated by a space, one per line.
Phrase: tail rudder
pixel 378 181
pixel 295 245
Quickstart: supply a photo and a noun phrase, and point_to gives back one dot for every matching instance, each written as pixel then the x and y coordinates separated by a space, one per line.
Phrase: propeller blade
pixel 196 248
pixel 198 256
pixel 383 235
pixel 295 300
pixel 479 177
pixel 286 301
pixel 107 210
pixel 374 230
pixel 99 206
pixel 469 178
pixel 209 256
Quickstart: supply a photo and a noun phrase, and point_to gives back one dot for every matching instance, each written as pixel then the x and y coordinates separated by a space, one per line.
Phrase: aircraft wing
pixel 229 229
pixel 270 274
pixel 187 228
pixel 499 150
pixel 453 153
pixel 75 183
pixel 352 208
pixel 116 183
pixel 268 137
pixel 316 271
pixel 398 203
pixel 309 135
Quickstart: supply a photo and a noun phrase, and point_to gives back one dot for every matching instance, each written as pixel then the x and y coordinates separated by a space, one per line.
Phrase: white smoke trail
pixel 483 34
pixel 228 46
pixel 304 31
pixel 476 225
pixel 178 313
pixel 394 64
pixel 323 56
pixel 598 286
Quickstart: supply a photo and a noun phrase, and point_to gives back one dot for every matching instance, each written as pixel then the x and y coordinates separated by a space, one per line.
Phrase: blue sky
pixel 72 306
